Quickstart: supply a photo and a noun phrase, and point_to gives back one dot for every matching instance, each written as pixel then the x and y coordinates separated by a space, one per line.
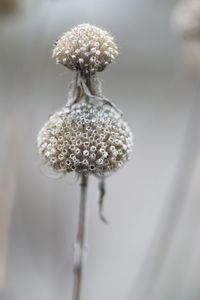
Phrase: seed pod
pixel 85 48
pixel 99 144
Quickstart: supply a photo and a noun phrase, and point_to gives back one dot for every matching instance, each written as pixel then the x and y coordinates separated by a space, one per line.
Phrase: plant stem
pixel 101 199
pixel 80 245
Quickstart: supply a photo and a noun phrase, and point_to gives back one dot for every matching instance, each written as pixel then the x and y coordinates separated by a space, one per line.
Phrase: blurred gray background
pixel 151 248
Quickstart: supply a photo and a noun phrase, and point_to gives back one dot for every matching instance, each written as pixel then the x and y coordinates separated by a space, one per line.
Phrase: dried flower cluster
pixel 186 18
pixel 85 48
pixel 89 135
pixel 89 138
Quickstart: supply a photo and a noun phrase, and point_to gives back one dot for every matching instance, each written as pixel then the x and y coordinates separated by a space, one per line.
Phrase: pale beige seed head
pixel 186 18
pixel 89 139
pixel 85 48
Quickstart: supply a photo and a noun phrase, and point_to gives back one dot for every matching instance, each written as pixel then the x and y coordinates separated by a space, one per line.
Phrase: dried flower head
pixel 89 139
pixel 186 18
pixel 85 48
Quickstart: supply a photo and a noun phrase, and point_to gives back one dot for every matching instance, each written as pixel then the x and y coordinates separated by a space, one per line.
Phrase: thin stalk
pixel 80 245
pixel 88 82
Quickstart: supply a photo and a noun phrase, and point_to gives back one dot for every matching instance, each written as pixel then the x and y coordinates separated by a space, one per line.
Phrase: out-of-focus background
pixel 151 247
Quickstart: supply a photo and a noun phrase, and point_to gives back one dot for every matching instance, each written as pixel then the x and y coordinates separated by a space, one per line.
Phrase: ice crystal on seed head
pixel 90 139
pixel 86 48
pixel 186 18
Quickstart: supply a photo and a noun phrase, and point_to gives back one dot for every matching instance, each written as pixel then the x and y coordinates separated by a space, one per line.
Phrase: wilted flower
pixel 88 135
pixel 85 48
pixel 89 138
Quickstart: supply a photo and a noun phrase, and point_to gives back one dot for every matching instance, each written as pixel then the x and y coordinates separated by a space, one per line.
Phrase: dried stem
pixel 101 199
pixel 80 245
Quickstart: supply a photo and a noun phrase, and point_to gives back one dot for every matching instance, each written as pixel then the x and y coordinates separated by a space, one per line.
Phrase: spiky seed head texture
pixel 186 18
pixel 85 48
pixel 88 138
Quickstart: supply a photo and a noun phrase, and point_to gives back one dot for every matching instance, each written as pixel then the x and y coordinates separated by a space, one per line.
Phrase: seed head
pixel 186 18
pixel 85 48
pixel 89 138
